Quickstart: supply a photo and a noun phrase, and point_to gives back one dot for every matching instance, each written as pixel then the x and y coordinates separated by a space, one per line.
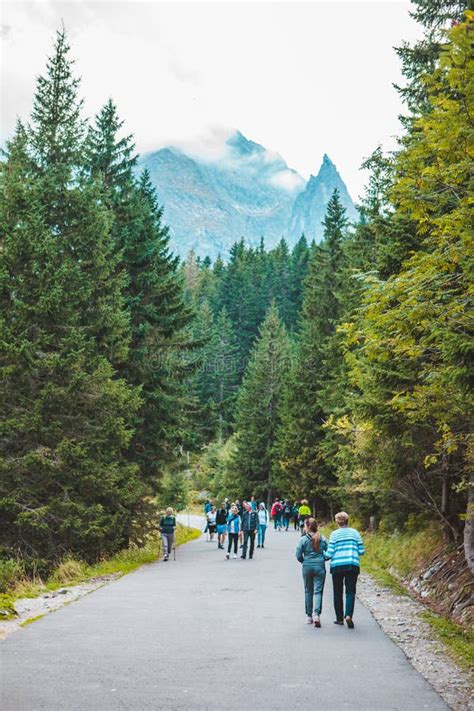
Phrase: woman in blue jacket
pixel 310 552
pixel 233 529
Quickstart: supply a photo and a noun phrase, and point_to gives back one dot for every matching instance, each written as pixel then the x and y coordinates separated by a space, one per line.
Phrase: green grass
pixel 390 557
pixel 459 641
pixel 27 622
pixel 7 609
pixel 73 572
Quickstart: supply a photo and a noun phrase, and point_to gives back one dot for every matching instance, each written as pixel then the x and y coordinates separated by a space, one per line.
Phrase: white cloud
pixel 303 78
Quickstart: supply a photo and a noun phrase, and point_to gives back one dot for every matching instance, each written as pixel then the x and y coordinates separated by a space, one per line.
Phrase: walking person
pixel 167 529
pixel 249 529
pixel 211 522
pixel 304 512
pixel 221 525
pixel 276 514
pixel 294 515
pixel 233 529
pixel 310 552
pixel 286 514
pixel 262 525
pixel 344 550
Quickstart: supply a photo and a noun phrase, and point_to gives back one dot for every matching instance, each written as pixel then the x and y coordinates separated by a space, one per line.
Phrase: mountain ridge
pixel 246 192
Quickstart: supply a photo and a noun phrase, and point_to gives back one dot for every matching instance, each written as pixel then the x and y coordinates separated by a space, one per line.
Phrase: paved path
pixel 206 634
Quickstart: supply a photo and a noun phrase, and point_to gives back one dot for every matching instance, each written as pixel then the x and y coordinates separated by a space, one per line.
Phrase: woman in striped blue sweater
pixel 345 547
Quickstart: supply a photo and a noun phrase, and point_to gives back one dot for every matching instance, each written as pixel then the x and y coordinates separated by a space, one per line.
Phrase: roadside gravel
pixel 29 608
pixel 399 616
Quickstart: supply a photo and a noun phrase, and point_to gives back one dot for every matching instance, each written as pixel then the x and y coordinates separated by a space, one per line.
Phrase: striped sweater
pixel 345 547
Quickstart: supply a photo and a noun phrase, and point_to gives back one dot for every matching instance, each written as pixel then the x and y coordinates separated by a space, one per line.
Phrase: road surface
pixel 207 634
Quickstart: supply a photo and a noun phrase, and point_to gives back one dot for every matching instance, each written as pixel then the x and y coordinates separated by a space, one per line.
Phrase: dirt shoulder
pixel 401 618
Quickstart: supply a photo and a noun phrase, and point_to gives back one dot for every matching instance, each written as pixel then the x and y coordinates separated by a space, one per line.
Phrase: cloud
pixel 288 180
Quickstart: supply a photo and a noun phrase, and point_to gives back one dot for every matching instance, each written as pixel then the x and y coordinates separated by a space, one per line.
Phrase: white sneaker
pixel 227 556
pixel 309 620
pixel 235 556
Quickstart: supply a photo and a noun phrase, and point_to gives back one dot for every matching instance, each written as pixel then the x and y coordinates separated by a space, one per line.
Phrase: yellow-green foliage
pixel 7 609
pixel 27 622
pixel 459 641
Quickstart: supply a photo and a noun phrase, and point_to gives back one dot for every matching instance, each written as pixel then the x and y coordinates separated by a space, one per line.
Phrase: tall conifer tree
pixel 65 486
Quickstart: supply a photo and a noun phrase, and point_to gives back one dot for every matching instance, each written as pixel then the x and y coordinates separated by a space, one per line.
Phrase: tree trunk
pixel 269 490
pixel 469 527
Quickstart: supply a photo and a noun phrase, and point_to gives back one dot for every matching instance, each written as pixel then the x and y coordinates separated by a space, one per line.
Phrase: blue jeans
pixel 313 578
pixel 277 521
pixel 262 527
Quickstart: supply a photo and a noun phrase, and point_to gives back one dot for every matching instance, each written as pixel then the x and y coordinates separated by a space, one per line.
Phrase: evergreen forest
pixel 339 371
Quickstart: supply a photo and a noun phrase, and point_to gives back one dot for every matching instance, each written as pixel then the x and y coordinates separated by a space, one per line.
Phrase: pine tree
pixel 218 374
pixel 298 270
pixel 154 296
pixel 65 485
pixel 308 401
pixel 257 421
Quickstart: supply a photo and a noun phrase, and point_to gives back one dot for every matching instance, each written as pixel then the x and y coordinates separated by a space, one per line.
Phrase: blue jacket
pixel 345 548
pixel 306 554
pixel 233 523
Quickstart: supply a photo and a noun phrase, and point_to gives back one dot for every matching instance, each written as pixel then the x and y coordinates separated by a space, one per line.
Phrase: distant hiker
pixel 221 524
pixel 207 508
pixel 249 529
pixel 253 503
pixel 294 515
pixel 227 504
pixel 262 525
pixel 345 547
pixel 276 514
pixel 233 529
pixel 239 506
pixel 211 522
pixel 167 528
pixel 303 513
pixel 286 514
pixel 310 551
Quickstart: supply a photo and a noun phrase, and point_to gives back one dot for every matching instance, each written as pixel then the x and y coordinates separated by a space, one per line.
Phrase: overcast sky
pixel 302 79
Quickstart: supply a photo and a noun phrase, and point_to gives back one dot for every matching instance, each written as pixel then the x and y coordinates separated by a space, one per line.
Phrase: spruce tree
pixel 65 485
pixel 153 293
pixel 258 407
pixel 307 400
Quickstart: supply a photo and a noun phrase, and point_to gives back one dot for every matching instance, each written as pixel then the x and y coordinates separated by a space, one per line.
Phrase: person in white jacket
pixel 262 525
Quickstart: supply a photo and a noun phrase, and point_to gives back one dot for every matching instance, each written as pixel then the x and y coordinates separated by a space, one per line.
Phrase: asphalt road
pixel 206 634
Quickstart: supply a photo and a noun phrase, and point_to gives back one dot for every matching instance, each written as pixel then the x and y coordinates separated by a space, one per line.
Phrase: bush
pixel 10 572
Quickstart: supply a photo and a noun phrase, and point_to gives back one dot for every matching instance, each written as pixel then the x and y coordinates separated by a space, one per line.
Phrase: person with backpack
pixel 303 513
pixel 221 525
pixel 276 514
pixel 211 522
pixel 294 515
pixel 286 514
pixel 249 528
pixel 310 551
pixel 233 530
pixel 262 525
pixel 167 529
pixel 344 550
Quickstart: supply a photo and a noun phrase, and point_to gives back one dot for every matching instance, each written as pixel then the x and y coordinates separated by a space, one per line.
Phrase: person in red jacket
pixel 276 514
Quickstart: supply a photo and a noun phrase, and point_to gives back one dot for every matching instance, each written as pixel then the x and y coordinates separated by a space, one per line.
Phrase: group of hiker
pixel 244 522
pixel 241 522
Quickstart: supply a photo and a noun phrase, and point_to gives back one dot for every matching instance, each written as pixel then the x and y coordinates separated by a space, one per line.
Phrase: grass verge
pixel 73 572
pixel 27 622
pixel 459 641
